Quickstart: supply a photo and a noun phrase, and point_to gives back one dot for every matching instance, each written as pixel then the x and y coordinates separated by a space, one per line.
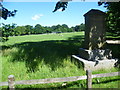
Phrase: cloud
pixel 37 16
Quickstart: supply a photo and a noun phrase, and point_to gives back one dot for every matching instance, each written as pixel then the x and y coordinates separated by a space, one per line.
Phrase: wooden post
pixel 89 79
pixel 11 82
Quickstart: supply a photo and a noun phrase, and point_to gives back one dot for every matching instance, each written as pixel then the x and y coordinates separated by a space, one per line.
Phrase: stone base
pixel 96 65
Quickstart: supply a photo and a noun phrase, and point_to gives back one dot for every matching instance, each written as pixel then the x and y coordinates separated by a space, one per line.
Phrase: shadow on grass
pixel 51 53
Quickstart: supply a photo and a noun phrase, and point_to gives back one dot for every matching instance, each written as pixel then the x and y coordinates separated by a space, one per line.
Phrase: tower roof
pixel 94 12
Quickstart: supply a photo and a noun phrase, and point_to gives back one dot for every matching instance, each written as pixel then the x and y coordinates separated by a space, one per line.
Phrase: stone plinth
pixel 97 64
pixel 94 29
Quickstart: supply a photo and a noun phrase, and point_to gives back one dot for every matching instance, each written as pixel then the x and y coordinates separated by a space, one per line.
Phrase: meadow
pixel 48 56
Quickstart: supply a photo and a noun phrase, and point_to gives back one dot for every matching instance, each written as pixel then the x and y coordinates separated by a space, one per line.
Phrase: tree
pixel 38 29
pixel 47 29
pixel 82 27
pixel 7 30
pixel 4 13
pixel 20 30
pixel 78 28
pixel 65 28
pixel 28 29
pixel 62 4
pixel 113 17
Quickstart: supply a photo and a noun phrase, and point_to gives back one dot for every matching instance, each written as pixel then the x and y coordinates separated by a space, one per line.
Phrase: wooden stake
pixel 11 82
pixel 89 79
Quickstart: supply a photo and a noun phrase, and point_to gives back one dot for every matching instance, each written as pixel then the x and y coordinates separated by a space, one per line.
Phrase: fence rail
pixel 11 81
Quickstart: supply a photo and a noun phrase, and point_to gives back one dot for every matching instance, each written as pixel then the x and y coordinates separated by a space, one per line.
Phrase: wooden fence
pixel 11 80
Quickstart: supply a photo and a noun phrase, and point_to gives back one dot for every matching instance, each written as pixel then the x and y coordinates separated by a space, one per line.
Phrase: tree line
pixel 13 30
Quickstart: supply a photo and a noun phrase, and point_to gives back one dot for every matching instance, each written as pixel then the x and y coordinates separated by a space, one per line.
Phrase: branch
pixel 4 13
pixel 61 4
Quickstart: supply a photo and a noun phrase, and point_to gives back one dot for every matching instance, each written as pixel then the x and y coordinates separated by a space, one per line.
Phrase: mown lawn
pixel 46 56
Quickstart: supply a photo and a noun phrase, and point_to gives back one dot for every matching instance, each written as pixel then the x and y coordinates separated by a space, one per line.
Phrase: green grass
pixel 40 37
pixel 112 36
pixel 40 56
pixel 44 56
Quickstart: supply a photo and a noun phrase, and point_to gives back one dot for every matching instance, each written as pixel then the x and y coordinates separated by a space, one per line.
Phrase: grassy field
pixel 47 56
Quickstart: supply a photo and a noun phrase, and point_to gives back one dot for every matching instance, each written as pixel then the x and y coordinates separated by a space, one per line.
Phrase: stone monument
pixel 94 29
pixel 94 56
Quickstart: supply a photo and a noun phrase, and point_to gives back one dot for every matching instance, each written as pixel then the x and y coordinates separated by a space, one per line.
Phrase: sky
pixel 32 13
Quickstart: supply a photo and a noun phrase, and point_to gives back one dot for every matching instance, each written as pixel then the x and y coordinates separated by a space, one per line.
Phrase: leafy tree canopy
pixel 4 12
pixel 113 16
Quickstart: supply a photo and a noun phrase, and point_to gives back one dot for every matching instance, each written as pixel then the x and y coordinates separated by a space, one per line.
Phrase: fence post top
pixel 11 76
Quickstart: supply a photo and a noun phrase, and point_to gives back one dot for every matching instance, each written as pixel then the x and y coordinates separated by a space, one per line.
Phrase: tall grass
pixel 42 56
